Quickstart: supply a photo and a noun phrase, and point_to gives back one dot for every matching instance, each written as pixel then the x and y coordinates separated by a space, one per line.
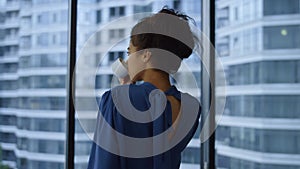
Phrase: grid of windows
pixel 33 82
pixel 234 163
pixel 23 163
pixel 282 37
pixel 279 7
pixel 116 11
pixel 41 146
pixel 43 60
pixel 287 142
pixel 42 103
pixel 191 155
pixel 276 44
pixel 9 120
pixel 116 34
pixel 278 71
pixel 8 67
pixel 40 124
pixel 273 106
pixel 8 137
pixel 8 155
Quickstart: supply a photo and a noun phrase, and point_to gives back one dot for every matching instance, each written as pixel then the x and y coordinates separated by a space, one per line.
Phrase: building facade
pixel 259 45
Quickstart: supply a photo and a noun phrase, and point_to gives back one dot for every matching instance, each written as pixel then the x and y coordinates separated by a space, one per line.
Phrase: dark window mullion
pixel 207 148
pixel 70 120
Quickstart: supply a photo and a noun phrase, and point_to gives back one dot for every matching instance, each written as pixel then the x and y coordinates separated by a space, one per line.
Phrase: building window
pixel 8 85
pixel 271 106
pixel 191 155
pixel 98 38
pixel 115 55
pixel 26 21
pixel 121 11
pixel 42 103
pixel 8 102
pixel 176 4
pixel 43 18
pixel 43 39
pixel 223 17
pixel 103 81
pixel 280 7
pixel 116 11
pixel 236 45
pixel 247 40
pixel 54 39
pixel 25 42
pixel 40 124
pixel 281 37
pixel 236 13
pixel 43 60
pixel 63 38
pixel 223 46
pixel 264 72
pixel 142 8
pixel 54 17
pixel 57 81
pixel 258 139
pixel 8 137
pixel 98 16
pixel 116 34
pixel 82 148
pixel 63 16
pixel 8 67
pixel 8 155
pixel 246 11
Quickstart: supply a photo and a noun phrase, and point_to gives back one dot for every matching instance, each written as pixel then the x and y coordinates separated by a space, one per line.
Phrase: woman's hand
pixel 125 80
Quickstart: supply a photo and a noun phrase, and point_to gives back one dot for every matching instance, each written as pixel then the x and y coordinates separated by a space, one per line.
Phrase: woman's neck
pixel 158 78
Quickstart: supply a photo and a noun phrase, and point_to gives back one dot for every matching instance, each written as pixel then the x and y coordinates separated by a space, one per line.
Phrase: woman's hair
pixel 167 30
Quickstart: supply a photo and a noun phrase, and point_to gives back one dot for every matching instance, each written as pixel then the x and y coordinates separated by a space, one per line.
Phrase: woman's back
pixel 139 97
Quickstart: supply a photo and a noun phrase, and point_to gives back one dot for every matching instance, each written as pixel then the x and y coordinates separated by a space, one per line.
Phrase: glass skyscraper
pixel 33 63
pixel 259 42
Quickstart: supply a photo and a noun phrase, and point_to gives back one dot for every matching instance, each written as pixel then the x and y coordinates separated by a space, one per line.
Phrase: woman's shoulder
pixel 128 88
pixel 136 94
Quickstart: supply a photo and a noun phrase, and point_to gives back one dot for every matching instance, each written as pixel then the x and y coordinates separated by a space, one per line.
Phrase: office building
pixel 259 45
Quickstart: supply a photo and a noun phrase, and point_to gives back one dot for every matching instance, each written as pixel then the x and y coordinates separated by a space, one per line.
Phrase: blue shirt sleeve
pixel 100 158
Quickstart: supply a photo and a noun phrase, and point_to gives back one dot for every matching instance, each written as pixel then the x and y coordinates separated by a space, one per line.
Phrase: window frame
pixel 207 149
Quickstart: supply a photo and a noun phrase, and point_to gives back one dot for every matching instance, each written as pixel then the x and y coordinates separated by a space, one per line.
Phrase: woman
pixel 157 46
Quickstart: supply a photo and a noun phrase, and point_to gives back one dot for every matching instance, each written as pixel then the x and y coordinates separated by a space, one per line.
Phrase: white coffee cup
pixel 119 67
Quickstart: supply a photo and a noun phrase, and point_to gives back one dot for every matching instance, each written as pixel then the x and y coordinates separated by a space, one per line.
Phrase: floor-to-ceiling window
pixel 260 124
pixel 33 60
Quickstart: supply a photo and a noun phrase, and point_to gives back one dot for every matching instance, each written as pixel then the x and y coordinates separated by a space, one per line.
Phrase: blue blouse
pixel 139 97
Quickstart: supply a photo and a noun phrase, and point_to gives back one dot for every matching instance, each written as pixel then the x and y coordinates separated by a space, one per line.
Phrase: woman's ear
pixel 146 56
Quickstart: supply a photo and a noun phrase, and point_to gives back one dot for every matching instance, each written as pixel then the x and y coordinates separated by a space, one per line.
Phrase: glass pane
pixel 260 124
pixel 103 37
pixel 33 60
